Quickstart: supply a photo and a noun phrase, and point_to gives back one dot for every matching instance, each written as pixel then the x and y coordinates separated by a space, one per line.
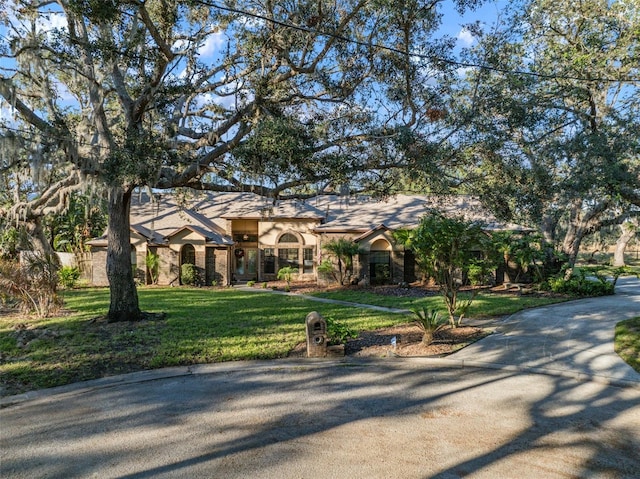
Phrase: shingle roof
pixel 209 236
pixel 206 213
pixel 165 216
pixel 363 214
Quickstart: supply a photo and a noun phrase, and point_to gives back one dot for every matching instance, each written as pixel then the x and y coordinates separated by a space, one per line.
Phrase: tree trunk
pixel 124 304
pixel 628 231
pixel 574 234
pixel 38 236
pixel 551 263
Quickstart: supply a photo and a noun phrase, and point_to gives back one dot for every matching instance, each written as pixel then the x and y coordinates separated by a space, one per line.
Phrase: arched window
pixel 380 262
pixel 188 254
pixel 288 238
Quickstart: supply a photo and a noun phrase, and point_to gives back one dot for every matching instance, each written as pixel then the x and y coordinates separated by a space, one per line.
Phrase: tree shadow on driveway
pixel 329 419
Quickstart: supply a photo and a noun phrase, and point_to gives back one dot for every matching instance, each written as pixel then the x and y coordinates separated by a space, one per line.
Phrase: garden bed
pixel 408 342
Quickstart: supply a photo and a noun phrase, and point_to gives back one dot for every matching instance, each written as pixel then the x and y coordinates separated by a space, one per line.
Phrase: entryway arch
pixel 380 262
pixel 187 254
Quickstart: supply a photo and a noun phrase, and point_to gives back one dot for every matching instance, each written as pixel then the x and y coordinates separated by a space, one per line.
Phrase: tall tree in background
pixel 628 230
pixel 169 93
pixel 554 131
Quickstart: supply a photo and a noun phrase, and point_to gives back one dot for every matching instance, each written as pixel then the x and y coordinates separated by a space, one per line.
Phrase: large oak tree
pixel 277 97
pixel 554 118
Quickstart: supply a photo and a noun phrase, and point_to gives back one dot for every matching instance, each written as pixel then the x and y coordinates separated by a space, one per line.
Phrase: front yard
pixel 202 325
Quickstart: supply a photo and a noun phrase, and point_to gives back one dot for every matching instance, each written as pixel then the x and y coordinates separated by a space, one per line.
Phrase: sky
pixel 453 23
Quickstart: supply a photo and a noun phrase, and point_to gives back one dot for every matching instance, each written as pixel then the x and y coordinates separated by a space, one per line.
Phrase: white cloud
pixel 465 37
pixel 52 21
pixel 212 45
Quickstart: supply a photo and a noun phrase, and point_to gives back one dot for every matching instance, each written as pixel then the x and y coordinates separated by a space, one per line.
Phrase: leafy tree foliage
pixel 555 120
pixel 523 254
pixel 450 249
pixel 84 218
pixel 280 98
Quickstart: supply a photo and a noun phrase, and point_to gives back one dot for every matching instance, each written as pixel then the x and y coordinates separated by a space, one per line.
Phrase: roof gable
pixel 209 236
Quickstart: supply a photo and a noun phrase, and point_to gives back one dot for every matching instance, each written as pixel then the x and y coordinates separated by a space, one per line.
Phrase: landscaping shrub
pixel 287 274
pixel 33 286
pixel 68 276
pixel 580 285
pixel 152 261
pixel 430 322
pixel 189 274
pixel 338 332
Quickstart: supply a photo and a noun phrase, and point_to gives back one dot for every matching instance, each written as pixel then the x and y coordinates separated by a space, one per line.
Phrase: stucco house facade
pixel 236 237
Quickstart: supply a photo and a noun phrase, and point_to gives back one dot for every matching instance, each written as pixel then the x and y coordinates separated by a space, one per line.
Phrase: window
pixel 288 238
pixel 307 263
pixel 269 261
pixel 380 267
pixel 288 257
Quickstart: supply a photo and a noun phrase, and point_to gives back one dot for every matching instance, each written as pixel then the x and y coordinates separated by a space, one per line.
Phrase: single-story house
pixel 233 237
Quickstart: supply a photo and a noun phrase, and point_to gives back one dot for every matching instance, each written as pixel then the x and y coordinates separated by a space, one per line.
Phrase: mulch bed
pixel 408 339
pixel 408 336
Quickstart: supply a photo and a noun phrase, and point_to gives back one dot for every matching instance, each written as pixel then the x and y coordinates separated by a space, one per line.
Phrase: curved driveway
pixel 532 411
pixel 573 338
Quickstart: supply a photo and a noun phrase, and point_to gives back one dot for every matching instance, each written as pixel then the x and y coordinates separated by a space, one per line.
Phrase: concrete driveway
pixel 553 413
pixel 573 339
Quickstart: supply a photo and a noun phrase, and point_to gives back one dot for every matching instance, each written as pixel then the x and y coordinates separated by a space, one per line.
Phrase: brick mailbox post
pixel 317 339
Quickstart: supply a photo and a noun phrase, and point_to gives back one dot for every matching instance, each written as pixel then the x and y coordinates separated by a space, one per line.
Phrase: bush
pixel 251 283
pixel 152 261
pixel 337 332
pixel 68 276
pixel 33 286
pixel 189 274
pixel 582 286
pixel 286 274
pixel 430 322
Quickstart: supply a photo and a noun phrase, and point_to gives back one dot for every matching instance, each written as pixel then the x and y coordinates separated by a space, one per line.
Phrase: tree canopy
pixel 279 98
pixel 554 118
pixel 451 250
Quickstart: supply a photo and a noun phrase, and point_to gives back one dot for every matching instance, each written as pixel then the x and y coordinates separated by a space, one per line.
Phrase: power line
pixel 455 63
pixel 448 61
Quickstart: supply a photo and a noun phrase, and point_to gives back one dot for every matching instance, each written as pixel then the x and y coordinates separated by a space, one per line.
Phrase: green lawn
pixel 627 341
pixel 485 305
pixel 202 325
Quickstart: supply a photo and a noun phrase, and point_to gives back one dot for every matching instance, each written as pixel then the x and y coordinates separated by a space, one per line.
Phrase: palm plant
pixel 430 322
pixel 344 250
pixel 152 261
pixel 286 274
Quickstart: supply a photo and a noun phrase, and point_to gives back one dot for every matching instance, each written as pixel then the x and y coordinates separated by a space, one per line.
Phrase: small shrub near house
pixel 189 274
pixel 152 261
pixel 287 274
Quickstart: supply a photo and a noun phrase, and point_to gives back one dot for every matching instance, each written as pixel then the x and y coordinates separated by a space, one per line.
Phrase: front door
pixel 246 267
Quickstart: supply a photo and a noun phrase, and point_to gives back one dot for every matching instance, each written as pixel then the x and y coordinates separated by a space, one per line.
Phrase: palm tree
pixel 344 250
